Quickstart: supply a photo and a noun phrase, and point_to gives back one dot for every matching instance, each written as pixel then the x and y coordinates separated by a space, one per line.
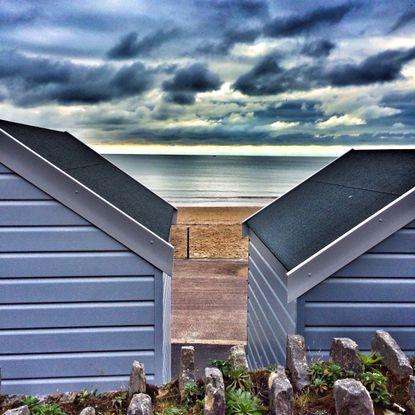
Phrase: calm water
pixel 218 180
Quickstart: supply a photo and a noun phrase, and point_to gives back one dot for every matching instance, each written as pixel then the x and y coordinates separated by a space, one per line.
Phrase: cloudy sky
pixel 238 73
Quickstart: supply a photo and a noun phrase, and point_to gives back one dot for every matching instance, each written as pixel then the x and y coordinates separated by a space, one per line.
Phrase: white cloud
pixel 342 120
pixel 398 125
pixel 282 125
pixel 198 122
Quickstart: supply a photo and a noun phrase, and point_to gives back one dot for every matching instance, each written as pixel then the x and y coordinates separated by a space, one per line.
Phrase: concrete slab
pixel 209 301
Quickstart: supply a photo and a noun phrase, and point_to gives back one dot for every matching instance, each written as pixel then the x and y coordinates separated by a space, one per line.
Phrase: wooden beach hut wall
pixel 335 257
pixel 85 267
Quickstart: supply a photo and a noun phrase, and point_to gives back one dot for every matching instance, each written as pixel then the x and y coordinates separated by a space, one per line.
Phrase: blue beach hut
pixel 85 267
pixel 335 257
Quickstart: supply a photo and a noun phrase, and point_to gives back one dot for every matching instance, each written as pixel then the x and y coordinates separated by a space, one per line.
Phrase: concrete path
pixel 209 301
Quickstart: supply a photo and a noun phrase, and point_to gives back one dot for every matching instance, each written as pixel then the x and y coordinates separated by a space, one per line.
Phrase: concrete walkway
pixel 209 301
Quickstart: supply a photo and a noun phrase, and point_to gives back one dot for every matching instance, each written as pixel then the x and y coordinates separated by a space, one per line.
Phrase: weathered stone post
pixel 214 392
pixel 281 393
pixel 394 358
pixel 187 367
pixel 237 357
pixel 140 405
pixel 297 361
pixel 411 393
pixel 352 398
pixel 137 382
pixel 345 353
pixel 21 410
pixel 89 410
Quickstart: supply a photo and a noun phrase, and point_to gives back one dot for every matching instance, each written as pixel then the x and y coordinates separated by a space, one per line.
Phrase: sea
pixel 218 180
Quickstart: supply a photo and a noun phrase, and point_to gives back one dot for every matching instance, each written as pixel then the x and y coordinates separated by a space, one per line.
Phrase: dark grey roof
pixel 333 201
pixel 98 174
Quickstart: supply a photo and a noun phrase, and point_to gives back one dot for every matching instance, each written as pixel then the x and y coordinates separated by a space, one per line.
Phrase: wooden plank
pixel 363 289
pixel 320 338
pixel 402 241
pixel 73 364
pixel 77 340
pixel 380 265
pixel 72 264
pixel 37 213
pixel 60 385
pixel 13 187
pixel 360 314
pixel 61 290
pixel 76 315
pixel 56 239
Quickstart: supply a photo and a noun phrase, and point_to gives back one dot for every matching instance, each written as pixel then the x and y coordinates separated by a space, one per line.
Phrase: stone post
pixel 187 367
pixel 344 353
pixel 281 393
pixel 140 405
pixel 352 398
pixel 137 382
pixel 214 392
pixel 394 358
pixel 297 361
pixel 237 357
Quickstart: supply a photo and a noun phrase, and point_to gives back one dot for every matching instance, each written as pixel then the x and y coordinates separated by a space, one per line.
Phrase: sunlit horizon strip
pixel 245 150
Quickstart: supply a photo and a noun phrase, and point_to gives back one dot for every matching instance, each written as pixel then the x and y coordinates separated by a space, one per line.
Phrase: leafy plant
pixel 119 400
pixel 370 362
pixel 239 379
pixel 192 393
pixel 85 394
pixel 240 402
pixel 326 373
pixel 377 385
pixel 224 366
pixel 175 410
pixel 37 408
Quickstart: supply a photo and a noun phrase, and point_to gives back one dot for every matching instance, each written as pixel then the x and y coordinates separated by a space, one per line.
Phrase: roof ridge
pixel 353 187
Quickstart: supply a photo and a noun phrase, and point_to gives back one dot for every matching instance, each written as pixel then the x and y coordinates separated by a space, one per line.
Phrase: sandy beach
pixel 211 232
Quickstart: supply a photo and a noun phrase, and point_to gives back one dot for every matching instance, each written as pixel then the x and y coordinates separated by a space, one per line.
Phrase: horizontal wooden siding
pixel 76 307
pixel 375 291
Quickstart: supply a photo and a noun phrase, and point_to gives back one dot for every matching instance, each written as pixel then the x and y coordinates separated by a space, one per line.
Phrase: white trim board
pixel 351 245
pixel 88 204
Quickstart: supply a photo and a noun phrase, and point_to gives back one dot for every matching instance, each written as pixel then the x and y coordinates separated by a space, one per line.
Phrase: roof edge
pixel 351 245
pixel 110 162
pixel 245 222
pixel 88 204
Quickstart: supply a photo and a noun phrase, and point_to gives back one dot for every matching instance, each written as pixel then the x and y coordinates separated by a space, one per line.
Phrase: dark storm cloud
pixel 295 110
pixel 383 67
pixel 405 103
pixel 8 18
pixel 404 20
pixel 298 24
pixel 30 81
pixel 318 48
pixel 130 46
pixel 230 38
pixel 187 82
pixel 269 77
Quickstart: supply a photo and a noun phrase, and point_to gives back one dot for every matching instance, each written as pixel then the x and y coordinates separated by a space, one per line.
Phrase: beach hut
pixel 85 267
pixel 335 257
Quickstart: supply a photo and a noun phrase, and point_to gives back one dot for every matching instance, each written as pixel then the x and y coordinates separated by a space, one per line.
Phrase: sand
pixel 211 232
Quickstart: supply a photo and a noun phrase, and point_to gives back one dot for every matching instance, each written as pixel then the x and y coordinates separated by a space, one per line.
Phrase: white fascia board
pixel 88 204
pixel 351 245
pixel 245 225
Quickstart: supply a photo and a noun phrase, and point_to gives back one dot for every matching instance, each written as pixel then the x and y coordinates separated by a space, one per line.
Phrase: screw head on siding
pixel 151 242
pixel 380 220
pixel 309 274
